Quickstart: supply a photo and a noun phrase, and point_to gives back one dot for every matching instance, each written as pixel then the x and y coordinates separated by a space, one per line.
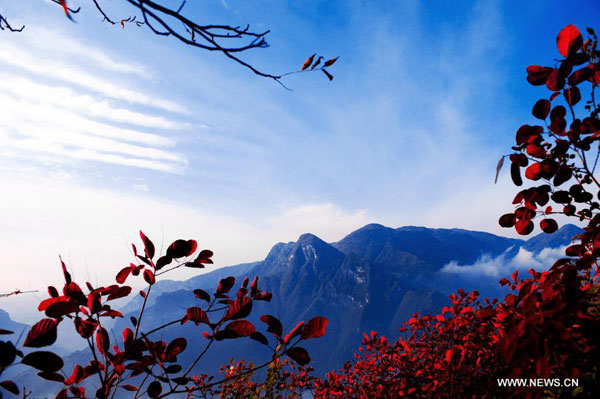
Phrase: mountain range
pixel 373 279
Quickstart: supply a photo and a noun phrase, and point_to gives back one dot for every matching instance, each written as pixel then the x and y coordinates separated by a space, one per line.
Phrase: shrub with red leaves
pixel 116 363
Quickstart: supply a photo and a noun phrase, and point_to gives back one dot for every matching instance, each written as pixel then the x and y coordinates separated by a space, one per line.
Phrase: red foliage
pixel 142 353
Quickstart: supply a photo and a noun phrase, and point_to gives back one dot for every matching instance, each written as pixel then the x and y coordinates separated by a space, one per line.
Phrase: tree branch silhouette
pixel 164 21
pixel 16 292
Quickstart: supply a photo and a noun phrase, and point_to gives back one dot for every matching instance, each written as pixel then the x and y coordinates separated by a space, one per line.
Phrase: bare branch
pixel 106 18
pixel 164 21
pixel 16 292
pixel 5 25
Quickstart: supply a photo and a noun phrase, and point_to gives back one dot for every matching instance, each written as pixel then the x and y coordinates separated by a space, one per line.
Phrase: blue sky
pixel 107 130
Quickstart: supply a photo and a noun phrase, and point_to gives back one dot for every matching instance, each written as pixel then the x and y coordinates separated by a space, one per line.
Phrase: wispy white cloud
pixel 50 69
pixel 505 263
pixel 33 131
pixel 59 42
pixel 64 112
pixel 81 104
pixel 141 187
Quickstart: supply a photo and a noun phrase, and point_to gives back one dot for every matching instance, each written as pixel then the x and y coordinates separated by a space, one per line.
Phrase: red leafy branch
pixel 140 353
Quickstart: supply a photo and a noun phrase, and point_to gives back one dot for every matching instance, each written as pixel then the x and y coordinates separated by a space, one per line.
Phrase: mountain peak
pixel 278 249
pixel 373 226
pixel 559 238
pixel 308 238
pixel 570 228
pixel 310 248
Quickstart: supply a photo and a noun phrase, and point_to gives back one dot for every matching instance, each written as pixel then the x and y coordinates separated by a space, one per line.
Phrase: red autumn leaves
pixel 179 249
pixel 545 328
pixel 139 352
pixel 312 64
pixel 231 324
pixel 555 152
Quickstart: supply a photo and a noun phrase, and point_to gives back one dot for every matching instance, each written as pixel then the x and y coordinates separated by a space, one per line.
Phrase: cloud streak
pixel 62 113
pixel 45 68
pixel 506 263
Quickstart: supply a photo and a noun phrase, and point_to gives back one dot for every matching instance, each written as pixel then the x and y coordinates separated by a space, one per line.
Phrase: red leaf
pixel 548 225
pixel 524 227
pixel 176 346
pixel 259 337
pixel 569 40
pixel 196 315
pixel 73 292
pixel 198 293
pixel 85 328
pixel 239 308
pixel 295 331
pixel 563 175
pixel 60 309
pixel 242 328
pixel 330 62
pixel 558 113
pixel 581 75
pixel 102 340
pixel 202 259
pixel 274 325
pixel 173 369
pixel 541 109
pixel 533 172
pixel 572 95
pixel 51 376
pixel 315 328
pixel 575 250
pixel 43 333
pixel 555 81
pixel 299 355
pixel 52 292
pixel 515 275
pixel 65 272
pixel 116 292
pixel 448 356
pixel 526 134
pixel 507 220
pixel 47 302
pixel 127 337
pixel 149 276
pixel 111 313
pixel 63 3
pixel 123 274
pixel 154 389
pixel 181 248
pixel 148 245
pixel 225 285
pixel 162 262
pixel 537 75
pixel 10 386
pixel 515 174
pixel 44 361
pixel 94 304
pixel 76 377
pixel 308 61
